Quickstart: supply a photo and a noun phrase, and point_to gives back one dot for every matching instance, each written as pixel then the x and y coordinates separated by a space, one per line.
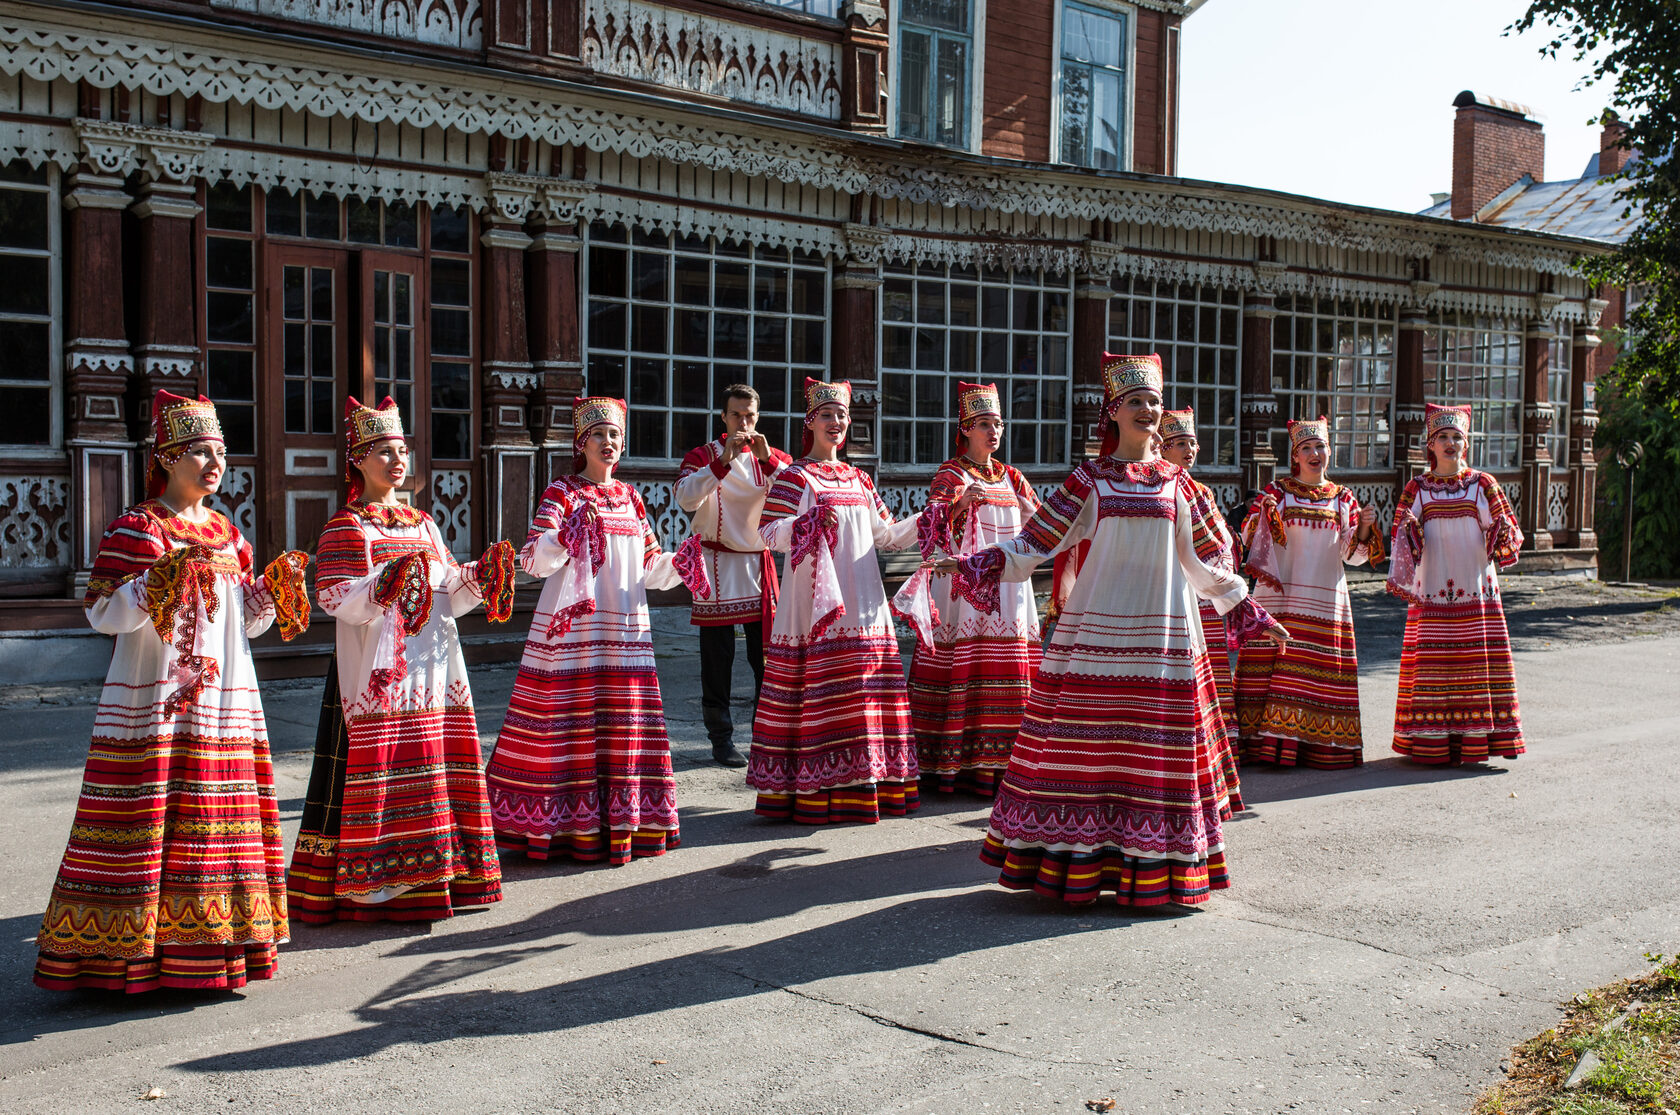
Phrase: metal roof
pixel 1592 208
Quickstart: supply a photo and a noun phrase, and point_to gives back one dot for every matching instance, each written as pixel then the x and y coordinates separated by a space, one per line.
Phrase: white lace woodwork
pixel 1557 505
pixel 1370 244
pixel 903 500
pixel 237 498
pixel 1380 495
pixel 701 54
pixel 451 506
pixel 1513 491
pixel 457 23
pixel 34 522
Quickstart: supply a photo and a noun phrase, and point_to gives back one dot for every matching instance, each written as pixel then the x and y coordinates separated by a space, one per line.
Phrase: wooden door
pixel 308 342
pixel 393 346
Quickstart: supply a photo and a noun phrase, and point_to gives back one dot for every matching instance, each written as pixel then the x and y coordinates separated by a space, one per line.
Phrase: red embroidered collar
pixel 828 470
pixel 388 514
pixel 1136 472
pixel 991 474
pixel 1430 482
pixel 1317 492
pixel 214 532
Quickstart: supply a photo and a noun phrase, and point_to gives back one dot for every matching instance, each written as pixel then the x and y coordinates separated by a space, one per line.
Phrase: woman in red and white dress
pixel 1454 530
pixel 1303 707
pixel 1116 781
pixel 582 767
pixel 396 824
pixel 832 739
pixel 971 672
pixel 175 874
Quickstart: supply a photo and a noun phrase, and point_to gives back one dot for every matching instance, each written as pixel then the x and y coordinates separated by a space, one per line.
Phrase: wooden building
pixel 487 207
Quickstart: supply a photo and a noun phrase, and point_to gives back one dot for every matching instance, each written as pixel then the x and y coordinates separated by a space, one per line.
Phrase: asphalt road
pixel 1390 933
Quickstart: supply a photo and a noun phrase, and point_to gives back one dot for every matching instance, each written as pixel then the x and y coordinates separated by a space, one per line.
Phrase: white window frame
pixel 1344 431
pixel 1474 373
pixel 1184 385
pixel 54 255
pixel 976 78
pixel 795 370
pixel 1128 87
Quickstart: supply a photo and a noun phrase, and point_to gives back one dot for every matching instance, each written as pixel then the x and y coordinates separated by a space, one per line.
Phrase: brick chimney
pixel 1495 142
pixel 1613 158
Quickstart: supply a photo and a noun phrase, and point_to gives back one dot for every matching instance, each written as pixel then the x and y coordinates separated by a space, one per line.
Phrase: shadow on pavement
pixel 1263 783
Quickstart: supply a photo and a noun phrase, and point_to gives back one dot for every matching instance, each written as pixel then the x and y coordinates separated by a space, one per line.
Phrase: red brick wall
pixel 1020 61
pixel 1491 150
pixel 1149 93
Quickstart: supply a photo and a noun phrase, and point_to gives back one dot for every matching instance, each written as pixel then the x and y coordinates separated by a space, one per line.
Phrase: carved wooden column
pixel 509 457
pixel 97 361
pixel 1091 294
pixel 1410 388
pixel 857 281
pixel 1537 423
pixel 1583 420
pixel 1258 405
pixel 167 343
pixel 863 54
pixel 551 265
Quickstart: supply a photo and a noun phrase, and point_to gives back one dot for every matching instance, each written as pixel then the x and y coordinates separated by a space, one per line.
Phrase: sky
pixel 1351 100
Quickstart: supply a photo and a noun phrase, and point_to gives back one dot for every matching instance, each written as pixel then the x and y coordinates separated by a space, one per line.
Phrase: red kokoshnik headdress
pixel 1123 376
pixel 1437 418
pixel 818 394
pixel 177 422
pixel 974 402
pixel 363 427
pixel 1178 423
pixel 591 411
pixel 1303 430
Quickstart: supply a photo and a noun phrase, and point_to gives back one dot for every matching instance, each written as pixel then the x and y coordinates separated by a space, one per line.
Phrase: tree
pixel 1632 47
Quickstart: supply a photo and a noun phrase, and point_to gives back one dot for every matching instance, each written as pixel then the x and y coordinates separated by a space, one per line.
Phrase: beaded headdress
pixel 818 393
pixel 975 400
pixel 1302 430
pixel 1123 375
pixel 177 422
pixel 1178 423
pixel 596 410
pixel 363 426
pixel 1438 418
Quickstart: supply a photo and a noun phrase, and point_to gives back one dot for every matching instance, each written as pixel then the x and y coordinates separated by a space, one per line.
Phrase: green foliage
pixel 1630 413
pixel 1586 1105
pixel 1632 47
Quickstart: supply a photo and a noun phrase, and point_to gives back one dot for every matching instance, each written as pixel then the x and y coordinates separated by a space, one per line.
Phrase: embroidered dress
pixel 725 500
pixel 397 823
pixel 1117 778
pixel 175 873
pixel 969 679
pixel 582 767
pixel 1458 684
pixel 1302 706
pixel 832 739
pixel 1216 547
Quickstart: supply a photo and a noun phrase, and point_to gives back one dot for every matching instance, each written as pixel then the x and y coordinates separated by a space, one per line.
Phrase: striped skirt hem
pixel 187 968
pixel 1080 877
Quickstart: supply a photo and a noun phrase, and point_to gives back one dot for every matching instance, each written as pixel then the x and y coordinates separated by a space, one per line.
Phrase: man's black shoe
pixel 724 754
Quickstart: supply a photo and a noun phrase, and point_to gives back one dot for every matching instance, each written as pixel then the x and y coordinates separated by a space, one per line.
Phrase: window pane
pixel 1089 36
pixel 1105 122
pixel 402 226
pixel 952 15
pixel 228 208
pixel 239 428
pixel 363 219
pixel 230 376
pixel 23 219
pixel 452 282
pixel 321 216
pixel 227 263
pixel 24 287
pixel 227 317
pixel 451 436
pixel 451 386
pixel 285 213
pixel 26 419
pixel 451 332
pixel 951 90
pixel 915 52
pixel 24 350
pixel 451 229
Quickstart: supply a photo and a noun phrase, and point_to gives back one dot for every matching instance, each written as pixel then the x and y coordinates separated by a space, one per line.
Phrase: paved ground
pixel 1391 932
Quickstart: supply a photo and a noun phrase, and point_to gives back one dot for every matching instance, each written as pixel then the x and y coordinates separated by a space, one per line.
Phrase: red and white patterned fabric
pixel 832 738
pixel 1458 684
pixel 724 500
pixel 582 766
pixel 174 875
pixel 1302 706
pixel 413 838
pixel 970 675
pixel 1117 779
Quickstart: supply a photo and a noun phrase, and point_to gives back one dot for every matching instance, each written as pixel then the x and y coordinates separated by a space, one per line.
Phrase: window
pixel 1478 360
pixel 1336 357
pixel 1093 87
pixel 944 323
pixel 829 8
pixel 301 213
pixel 675 319
pixel 452 334
pixel 29 346
pixel 1557 391
pixel 935 38
pixel 1198 332
pixel 230 295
